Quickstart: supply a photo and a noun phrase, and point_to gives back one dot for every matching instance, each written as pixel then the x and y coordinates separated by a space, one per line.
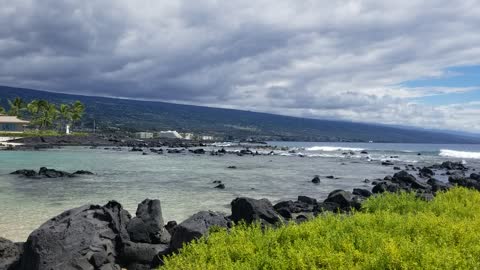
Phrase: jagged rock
pixel 197 226
pixel 87 237
pixel 231 167
pixel 396 168
pixel 171 226
pixel 148 225
pixel 9 254
pixel 251 210
pixel 387 163
pixel 330 177
pixel 316 179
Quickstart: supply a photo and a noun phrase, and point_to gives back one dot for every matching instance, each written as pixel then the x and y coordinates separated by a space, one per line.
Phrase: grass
pixel 393 231
pixel 33 133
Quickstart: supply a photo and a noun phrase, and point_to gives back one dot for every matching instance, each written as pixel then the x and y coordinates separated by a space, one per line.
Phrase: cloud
pixel 320 59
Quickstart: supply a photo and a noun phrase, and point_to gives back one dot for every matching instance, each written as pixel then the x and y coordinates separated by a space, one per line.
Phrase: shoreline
pixel 137 231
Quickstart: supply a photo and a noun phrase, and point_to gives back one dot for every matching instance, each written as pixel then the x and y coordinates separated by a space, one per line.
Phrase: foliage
pixel 45 114
pixel 395 231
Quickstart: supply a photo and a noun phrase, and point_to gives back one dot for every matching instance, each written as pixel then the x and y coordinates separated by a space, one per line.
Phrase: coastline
pixel 136 232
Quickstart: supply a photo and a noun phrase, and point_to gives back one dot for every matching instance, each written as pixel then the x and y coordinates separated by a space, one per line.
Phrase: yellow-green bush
pixel 394 231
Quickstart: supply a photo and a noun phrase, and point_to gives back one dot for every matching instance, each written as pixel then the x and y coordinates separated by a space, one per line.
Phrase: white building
pixel 207 138
pixel 188 136
pixel 144 135
pixel 171 134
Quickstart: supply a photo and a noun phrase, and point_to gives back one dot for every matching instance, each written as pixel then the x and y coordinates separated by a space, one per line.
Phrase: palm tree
pixel 16 107
pixel 77 111
pixel 2 110
pixel 48 115
pixel 65 115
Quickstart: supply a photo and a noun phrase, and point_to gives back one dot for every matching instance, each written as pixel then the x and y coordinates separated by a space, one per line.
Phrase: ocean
pixel 183 182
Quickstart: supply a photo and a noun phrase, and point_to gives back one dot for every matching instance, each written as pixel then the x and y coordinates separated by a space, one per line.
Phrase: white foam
pixel 332 148
pixel 459 154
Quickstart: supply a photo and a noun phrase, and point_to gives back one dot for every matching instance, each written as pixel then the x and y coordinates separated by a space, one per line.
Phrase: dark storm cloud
pixel 333 59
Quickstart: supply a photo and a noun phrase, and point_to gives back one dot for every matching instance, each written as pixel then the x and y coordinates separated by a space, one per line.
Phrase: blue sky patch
pixel 466 76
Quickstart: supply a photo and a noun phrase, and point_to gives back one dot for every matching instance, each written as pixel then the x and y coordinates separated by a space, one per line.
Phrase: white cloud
pixel 320 59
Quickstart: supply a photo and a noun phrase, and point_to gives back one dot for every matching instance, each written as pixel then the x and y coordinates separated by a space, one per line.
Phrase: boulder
pixel 404 177
pixel 87 237
pixel 426 172
pixel 9 254
pixel 252 210
pixel 380 188
pixel 199 151
pixel 326 207
pixel 387 163
pixel 148 225
pixel 341 197
pixel 307 200
pixel 362 192
pixel 220 186
pixel 197 226
pixel 136 255
pixel 475 176
pixel 231 167
pixel 437 185
pixel 449 165
pixel 316 179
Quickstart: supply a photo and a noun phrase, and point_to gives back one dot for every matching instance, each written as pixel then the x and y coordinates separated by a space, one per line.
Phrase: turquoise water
pixel 183 182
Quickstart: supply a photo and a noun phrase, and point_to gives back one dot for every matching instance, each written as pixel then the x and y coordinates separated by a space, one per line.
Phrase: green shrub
pixel 394 231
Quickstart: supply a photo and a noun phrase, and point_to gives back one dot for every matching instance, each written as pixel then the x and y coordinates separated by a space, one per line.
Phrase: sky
pixel 411 63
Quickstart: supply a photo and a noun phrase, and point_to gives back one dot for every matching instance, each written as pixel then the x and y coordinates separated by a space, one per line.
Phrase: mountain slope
pixel 134 115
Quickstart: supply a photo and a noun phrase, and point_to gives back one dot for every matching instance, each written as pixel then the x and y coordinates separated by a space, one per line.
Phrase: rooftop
pixel 6 119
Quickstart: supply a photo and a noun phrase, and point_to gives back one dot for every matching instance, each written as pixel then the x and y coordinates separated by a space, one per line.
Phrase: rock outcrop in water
pixel 49 173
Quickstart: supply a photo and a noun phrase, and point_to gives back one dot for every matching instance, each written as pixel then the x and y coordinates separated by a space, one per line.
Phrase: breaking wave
pixel 459 154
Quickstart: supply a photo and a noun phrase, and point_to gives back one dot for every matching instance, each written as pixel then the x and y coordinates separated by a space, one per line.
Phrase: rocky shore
pixel 108 237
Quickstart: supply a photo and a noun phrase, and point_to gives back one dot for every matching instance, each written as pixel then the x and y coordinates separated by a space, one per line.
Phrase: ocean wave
pixel 459 154
pixel 332 148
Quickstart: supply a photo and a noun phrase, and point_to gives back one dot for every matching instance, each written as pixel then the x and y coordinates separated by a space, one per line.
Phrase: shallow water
pixel 183 182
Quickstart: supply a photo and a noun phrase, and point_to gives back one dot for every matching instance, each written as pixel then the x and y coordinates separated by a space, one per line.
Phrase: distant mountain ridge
pixel 134 115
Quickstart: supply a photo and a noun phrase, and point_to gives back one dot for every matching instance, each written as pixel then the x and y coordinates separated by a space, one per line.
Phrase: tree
pixel 16 107
pixel 65 115
pixel 2 110
pixel 77 111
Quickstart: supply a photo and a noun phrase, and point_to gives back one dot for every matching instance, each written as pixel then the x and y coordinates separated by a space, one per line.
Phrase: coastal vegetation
pixel 48 118
pixel 391 231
